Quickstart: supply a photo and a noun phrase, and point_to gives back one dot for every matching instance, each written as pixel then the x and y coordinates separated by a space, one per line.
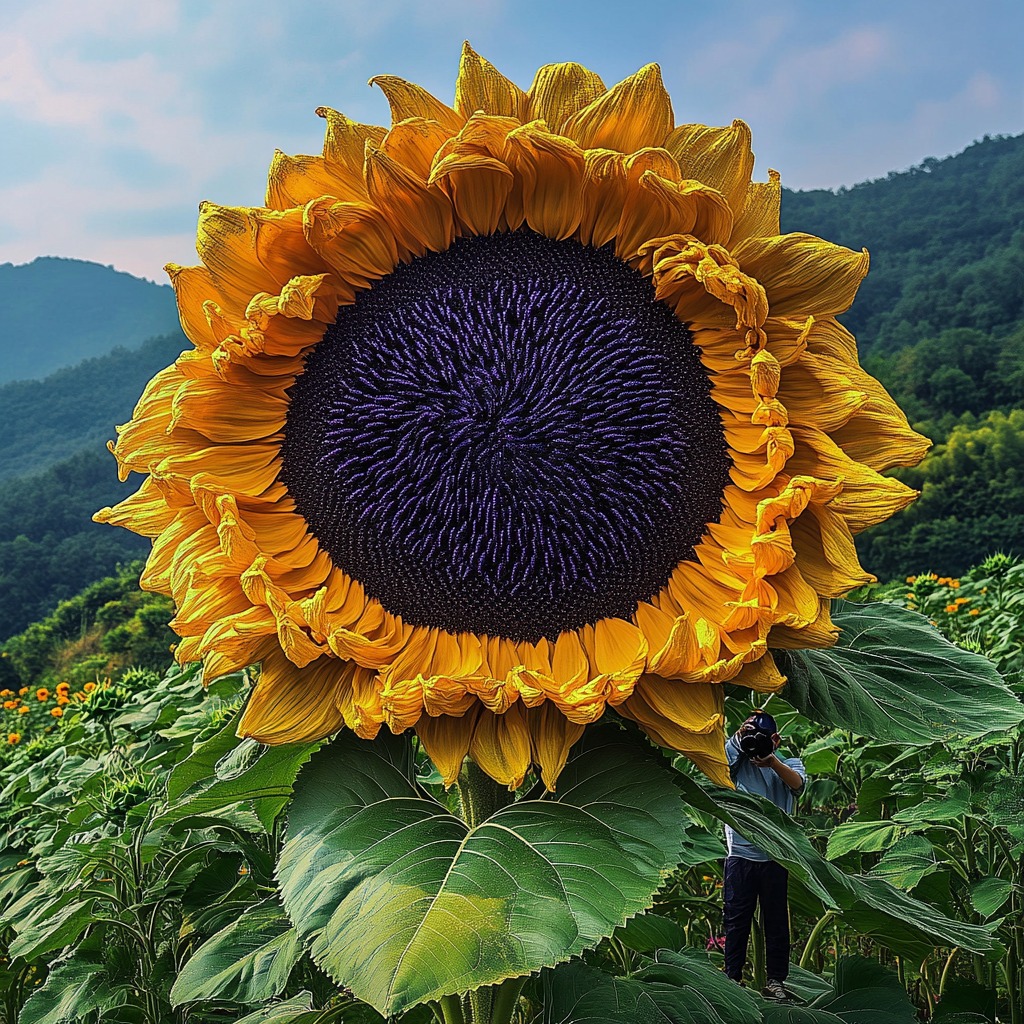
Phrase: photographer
pixel 751 876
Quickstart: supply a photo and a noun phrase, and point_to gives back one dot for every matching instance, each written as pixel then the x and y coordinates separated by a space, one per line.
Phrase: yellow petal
pixel 827 556
pixel 659 207
pixel 414 143
pixel 419 214
pixel 551 172
pixel 719 157
pixel 762 675
pixel 501 745
pixel 560 90
pixel 633 114
pixel 706 749
pixel 803 275
pixel 477 187
pixel 552 736
pixel 409 100
pixel 446 741
pixel 345 144
pixel 295 180
pixel 481 86
pixel 760 216
pixel 353 238
pixel 291 705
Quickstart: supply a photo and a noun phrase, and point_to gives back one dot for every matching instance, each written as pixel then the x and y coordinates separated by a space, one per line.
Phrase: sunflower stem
pixel 479 795
pixel 506 999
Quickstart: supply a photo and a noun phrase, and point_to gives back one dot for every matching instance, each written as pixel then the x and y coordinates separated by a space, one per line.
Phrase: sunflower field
pixel 518 458
pixel 145 851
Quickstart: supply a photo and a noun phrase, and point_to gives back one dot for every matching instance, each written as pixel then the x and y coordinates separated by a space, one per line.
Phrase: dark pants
pixel 746 882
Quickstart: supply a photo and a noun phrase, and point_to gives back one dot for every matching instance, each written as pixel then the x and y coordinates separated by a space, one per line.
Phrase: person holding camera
pixel 751 876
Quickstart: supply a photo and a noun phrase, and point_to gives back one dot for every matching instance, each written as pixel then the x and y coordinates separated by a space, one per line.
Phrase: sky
pixel 118 117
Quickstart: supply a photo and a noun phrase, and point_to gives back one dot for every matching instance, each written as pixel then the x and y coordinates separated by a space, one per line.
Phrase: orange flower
pixel 63 688
pixel 23 691
pixel 62 700
pixel 975 611
pixel 10 704
pixel 23 710
pixel 57 712
pixel 952 609
pixel 13 737
pixel 42 693
pixel 89 687
pixel 6 693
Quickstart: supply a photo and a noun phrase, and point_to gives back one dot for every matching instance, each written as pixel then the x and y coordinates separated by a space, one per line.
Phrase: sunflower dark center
pixel 510 437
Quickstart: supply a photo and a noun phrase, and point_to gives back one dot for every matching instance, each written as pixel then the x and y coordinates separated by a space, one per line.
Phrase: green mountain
pixel 56 312
pixel 946 240
pixel 47 421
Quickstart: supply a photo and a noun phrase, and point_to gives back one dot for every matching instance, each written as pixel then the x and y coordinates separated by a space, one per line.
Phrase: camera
pixel 756 734
pixel 757 743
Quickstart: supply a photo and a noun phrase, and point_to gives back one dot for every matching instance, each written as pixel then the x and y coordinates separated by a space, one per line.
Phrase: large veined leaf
pixel 249 961
pixel 862 836
pixel 989 894
pixel 906 863
pixel 864 993
pixel 45 925
pixel 892 676
pixel 871 905
pixel 226 770
pixel 647 932
pixel 72 990
pixel 678 988
pixel 402 902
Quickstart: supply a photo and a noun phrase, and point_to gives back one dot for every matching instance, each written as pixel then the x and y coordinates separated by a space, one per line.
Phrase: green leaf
pixel 892 676
pixel 73 990
pixel 297 1010
pixel 402 902
pixel 989 894
pixel 678 988
pixel 647 932
pixel 862 836
pixel 871 905
pixel 864 993
pixel 226 770
pixel 954 806
pixel 50 925
pixel 249 961
pixel 906 863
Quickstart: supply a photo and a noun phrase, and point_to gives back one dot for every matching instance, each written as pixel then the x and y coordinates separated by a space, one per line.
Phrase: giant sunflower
pixel 519 409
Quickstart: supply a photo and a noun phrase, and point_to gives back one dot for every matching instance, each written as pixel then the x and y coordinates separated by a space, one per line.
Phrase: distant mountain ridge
pixel 946 240
pixel 47 421
pixel 55 312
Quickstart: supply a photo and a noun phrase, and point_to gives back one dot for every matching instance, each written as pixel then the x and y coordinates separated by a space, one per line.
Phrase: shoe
pixel 776 991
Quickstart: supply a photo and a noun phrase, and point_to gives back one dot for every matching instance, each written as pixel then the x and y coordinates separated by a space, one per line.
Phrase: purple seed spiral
pixel 511 437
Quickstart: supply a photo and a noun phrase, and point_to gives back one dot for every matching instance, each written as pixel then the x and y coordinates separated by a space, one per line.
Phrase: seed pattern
pixel 510 437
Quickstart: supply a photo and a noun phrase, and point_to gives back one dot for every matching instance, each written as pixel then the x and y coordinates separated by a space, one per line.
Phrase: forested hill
pixel 46 421
pixel 946 240
pixel 57 312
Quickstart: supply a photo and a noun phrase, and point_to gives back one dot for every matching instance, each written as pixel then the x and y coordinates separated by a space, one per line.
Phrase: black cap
pixel 763 722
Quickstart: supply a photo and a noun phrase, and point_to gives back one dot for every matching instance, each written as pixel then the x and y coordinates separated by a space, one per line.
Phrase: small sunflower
pixel 519 409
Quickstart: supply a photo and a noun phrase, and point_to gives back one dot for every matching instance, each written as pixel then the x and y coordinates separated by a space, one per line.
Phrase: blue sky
pixel 118 117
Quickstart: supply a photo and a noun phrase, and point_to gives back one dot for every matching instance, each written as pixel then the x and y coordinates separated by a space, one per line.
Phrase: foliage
pixel 946 246
pixel 49 549
pixel 143 848
pixel 56 312
pixel 972 501
pixel 76 408
pixel 108 627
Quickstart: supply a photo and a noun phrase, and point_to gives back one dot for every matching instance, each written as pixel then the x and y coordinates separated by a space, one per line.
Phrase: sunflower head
pixel 511 412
